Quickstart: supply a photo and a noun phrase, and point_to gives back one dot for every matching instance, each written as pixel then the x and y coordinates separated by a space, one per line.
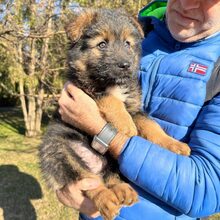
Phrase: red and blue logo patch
pixel 197 68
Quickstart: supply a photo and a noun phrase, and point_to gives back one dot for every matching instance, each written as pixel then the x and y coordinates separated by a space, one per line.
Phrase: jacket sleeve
pixel 189 184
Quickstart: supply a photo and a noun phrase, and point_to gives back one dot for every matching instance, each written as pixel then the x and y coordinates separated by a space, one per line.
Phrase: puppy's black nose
pixel 124 65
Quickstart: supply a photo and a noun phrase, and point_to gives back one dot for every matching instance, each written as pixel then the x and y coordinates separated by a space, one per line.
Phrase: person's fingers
pixel 69 115
pixel 82 204
pixel 60 110
pixel 64 95
pixel 88 208
pixel 65 114
pixel 73 197
pixel 65 99
pixel 65 85
pixel 88 184
pixel 72 90
pixel 65 198
pixel 75 92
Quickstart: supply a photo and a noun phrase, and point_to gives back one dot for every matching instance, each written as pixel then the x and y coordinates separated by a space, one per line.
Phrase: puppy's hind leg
pixel 124 192
pixel 105 200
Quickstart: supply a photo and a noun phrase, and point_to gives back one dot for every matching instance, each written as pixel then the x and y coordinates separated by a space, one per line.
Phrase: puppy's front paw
pixel 176 146
pixel 125 193
pixel 107 203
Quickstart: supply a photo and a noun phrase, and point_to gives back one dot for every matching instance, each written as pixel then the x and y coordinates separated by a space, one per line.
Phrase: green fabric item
pixel 156 9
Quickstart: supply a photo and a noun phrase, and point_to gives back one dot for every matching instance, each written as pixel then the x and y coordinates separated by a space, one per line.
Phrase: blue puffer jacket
pixel 173 78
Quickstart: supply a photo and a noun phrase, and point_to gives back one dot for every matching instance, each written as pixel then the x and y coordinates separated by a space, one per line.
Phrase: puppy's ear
pixel 76 27
pixel 138 26
pixel 133 20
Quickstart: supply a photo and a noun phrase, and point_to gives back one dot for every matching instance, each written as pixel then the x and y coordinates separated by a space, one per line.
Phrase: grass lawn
pixel 23 194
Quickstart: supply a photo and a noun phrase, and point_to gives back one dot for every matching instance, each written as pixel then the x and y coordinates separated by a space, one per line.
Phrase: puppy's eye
pixel 127 44
pixel 102 45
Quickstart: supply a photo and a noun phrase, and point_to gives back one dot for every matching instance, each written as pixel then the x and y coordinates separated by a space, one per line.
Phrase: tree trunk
pixel 22 88
pixel 23 102
pixel 44 67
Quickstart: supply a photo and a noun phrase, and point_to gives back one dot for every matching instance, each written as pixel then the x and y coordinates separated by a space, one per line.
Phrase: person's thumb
pixel 88 184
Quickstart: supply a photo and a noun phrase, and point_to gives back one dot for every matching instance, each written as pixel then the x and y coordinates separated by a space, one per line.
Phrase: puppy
pixel 103 58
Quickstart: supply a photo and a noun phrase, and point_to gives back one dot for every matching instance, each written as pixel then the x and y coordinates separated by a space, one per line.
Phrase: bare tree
pixel 33 38
pixel 132 6
pixel 33 47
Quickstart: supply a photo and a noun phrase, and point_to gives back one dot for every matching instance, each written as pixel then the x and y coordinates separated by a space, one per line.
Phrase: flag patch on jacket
pixel 197 68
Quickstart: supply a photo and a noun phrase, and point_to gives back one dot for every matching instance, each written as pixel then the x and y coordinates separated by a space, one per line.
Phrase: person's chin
pixel 185 39
pixel 184 36
pixel 190 36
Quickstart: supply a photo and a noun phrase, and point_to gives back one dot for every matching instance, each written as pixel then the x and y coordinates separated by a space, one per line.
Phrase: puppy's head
pixel 105 45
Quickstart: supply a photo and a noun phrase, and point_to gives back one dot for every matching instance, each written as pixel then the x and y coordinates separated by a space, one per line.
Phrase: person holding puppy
pixel 179 73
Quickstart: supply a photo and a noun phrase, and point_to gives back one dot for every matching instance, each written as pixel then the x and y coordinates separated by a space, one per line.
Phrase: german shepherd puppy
pixel 103 58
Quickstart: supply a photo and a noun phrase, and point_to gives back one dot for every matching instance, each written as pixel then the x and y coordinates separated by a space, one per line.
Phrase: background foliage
pixel 33 51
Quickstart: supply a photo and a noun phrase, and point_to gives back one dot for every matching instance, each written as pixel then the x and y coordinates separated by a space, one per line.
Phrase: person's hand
pixel 80 110
pixel 72 196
